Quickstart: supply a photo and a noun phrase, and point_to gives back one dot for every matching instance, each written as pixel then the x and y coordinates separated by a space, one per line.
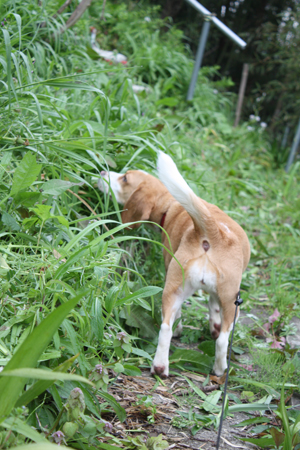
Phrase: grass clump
pixel 67 115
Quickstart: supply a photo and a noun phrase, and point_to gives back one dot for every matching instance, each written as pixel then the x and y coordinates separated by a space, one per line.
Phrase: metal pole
pixel 234 37
pixel 293 148
pixel 241 94
pixel 199 57
pixel 285 136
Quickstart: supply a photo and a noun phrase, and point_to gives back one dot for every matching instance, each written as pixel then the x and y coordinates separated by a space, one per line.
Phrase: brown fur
pixel 213 245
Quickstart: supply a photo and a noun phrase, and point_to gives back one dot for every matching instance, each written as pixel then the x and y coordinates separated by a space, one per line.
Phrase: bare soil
pixel 169 398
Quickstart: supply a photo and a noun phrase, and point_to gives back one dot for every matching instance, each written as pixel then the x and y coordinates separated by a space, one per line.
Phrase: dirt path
pixel 159 413
pixel 168 400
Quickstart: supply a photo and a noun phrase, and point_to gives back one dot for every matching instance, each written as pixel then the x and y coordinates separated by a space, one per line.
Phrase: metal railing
pixel 203 38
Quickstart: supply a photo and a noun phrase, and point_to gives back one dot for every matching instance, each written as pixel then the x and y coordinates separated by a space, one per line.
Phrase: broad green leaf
pixel 41 374
pixel 118 368
pixel 246 407
pixel 265 442
pixel 25 174
pixel 141 293
pixel 42 211
pixel 143 303
pixel 3 264
pixel 28 353
pixel 97 323
pixel 5 160
pixel 57 187
pixel 27 199
pixel 40 386
pixel 192 357
pixel 208 347
pixel 68 328
pixel 253 421
pixel 41 446
pixel 196 389
pixel 110 299
pixel 264 386
pixel 138 317
pixel 16 424
pixel 210 403
pixel 167 101
pixel 69 85
pixel 139 352
pixel 10 222
pixel 132 371
pixel 121 413
pixel 61 220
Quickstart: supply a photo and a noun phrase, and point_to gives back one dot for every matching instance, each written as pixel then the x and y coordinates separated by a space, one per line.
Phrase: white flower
pixel 250 128
pixel 147 19
pixel 257 118
pixel 258 99
pixel 215 91
pixel 252 117
pixel 263 125
pixel 295 24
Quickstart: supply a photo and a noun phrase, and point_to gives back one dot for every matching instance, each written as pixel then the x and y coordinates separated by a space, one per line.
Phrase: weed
pixel 147 407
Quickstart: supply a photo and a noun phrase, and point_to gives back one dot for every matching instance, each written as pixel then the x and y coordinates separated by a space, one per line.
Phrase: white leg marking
pixel 221 353
pixel 161 360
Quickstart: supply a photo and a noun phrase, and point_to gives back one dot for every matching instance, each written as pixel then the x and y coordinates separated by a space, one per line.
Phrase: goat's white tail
pixel 177 186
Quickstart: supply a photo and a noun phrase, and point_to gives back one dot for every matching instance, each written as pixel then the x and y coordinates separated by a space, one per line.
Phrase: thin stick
pixel 103 10
pixel 86 204
pixel 241 94
pixel 61 9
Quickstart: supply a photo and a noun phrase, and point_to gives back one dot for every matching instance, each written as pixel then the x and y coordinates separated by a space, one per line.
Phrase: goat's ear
pixel 138 207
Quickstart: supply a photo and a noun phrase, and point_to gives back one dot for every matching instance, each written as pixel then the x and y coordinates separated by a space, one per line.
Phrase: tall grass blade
pixel 28 353
pixel 16 424
pixel 40 386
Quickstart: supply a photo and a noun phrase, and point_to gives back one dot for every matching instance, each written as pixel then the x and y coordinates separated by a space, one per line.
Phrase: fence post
pixel 241 94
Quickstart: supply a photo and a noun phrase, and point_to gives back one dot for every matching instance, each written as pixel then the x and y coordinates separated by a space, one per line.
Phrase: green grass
pixel 65 116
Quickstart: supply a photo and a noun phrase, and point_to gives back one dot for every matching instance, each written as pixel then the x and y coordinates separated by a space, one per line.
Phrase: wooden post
pixel 241 94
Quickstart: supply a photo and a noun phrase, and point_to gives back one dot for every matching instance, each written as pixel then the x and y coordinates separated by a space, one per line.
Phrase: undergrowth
pixel 78 290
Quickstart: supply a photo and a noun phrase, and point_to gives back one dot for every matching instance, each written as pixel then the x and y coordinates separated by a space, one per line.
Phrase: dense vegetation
pixel 78 290
pixel 271 30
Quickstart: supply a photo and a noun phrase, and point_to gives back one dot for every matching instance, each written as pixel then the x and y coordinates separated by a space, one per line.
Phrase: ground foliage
pixel 80 294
